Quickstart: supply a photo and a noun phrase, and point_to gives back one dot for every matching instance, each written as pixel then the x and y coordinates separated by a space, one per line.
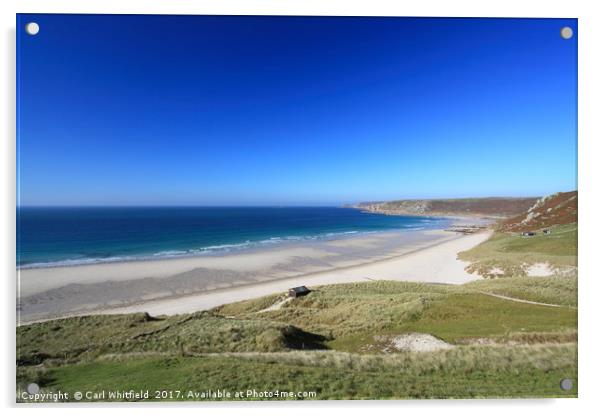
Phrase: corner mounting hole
pixel 566 384
pixel 32 28
pixel 566 32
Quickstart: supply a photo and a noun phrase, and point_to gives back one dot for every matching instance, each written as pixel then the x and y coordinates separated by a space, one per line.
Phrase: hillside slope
pixel 498 207
pixel 509 253
pixel 556 209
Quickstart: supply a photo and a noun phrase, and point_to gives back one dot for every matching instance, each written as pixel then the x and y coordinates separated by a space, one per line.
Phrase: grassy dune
pixel 350 315
pixel 557 290
pixel 237 347
pixel 513 253
pixel 81 338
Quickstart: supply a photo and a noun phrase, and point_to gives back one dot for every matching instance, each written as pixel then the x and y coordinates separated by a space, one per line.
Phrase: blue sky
pixel 219 110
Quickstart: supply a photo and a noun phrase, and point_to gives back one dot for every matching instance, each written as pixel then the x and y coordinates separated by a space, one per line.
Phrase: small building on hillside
pixel 295 292
pixel 528 234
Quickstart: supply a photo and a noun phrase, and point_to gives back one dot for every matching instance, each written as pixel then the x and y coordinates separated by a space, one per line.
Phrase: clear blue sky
pixel 218 110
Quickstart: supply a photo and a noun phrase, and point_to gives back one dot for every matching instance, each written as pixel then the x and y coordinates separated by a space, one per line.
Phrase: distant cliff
pixel 496 207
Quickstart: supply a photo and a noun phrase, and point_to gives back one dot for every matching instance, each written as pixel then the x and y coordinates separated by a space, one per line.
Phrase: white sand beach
pixel 182 285
pixel 437 263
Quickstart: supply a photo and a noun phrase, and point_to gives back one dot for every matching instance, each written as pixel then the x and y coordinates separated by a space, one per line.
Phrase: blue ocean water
pixel 64 236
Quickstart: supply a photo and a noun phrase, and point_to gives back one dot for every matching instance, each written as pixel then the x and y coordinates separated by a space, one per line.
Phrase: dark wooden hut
pixel 295 292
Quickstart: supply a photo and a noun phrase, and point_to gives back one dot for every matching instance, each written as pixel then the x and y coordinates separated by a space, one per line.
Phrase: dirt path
pixel 531 302
pixel 276 305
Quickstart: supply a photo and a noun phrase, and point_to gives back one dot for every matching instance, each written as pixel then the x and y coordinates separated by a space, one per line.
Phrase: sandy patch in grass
pixel 417 342
pixel 496 271
pixel 539 270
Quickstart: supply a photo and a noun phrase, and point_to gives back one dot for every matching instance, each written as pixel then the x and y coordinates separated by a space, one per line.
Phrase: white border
pixel 590 136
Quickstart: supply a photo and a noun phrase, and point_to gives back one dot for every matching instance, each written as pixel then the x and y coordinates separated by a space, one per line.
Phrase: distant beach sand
pixel 182 285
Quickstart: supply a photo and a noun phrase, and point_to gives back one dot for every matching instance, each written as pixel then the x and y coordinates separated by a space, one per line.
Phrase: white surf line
pixel 531 302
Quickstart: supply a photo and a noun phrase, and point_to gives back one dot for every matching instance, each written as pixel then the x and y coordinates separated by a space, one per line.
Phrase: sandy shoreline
pixel 172 286
pixel 434 264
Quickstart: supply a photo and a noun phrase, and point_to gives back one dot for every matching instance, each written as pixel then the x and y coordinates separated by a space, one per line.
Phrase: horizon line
pixel 339 205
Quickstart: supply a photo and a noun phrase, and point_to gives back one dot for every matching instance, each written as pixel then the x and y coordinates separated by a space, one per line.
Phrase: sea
pixel 63 236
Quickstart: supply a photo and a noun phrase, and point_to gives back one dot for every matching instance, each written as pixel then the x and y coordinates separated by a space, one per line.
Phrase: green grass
pixel 489 317
pixel 347 309
pixel 464 372
pixel 492 318
pixel 237 347
pixel 353 314
pixel 513 253
pixel 81 338
pixel 557 290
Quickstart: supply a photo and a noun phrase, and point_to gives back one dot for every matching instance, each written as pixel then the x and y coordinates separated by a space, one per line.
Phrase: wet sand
pixel 181 285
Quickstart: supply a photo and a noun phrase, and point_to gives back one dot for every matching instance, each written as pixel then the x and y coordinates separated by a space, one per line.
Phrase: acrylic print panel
pixel 295 208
